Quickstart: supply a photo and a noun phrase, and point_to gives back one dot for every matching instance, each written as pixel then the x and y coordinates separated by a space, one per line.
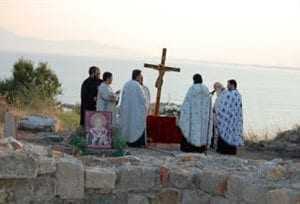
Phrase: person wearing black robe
pixel 89 89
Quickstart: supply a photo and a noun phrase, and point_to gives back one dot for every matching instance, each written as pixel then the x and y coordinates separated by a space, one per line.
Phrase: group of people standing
pixel 98 95
pixel 203 124
pixel 218 125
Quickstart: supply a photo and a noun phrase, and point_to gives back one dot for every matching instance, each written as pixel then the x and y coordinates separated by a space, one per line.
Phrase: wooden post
pixel 159 82
pixel 158 94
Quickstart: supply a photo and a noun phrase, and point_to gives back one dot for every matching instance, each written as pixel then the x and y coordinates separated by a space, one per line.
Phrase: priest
pixel 147 96
pixel 133 111
pixel 219 90
pixel 196 118
pixel 229 120
pixel 89 89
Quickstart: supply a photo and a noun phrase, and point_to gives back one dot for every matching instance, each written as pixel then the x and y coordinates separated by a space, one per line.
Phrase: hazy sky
pixel 242 31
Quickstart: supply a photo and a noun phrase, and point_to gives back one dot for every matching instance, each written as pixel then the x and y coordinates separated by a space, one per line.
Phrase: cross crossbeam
pixel 157 67
pixel 159 82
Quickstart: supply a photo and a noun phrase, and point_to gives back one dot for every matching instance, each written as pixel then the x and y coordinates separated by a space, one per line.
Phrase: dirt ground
pixel 247 153
pixel 256 151
pixel 244 153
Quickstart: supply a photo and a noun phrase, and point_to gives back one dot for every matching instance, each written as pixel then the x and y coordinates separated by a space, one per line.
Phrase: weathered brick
pixel 70 178
pixel 100 178
pixel 138 178
pixel 195 197
pixel 213 182
pixel 16 165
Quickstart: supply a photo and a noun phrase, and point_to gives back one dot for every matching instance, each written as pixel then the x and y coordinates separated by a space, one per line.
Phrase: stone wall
pixel 35 177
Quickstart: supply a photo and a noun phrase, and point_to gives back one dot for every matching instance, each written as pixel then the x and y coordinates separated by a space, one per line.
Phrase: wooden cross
pixel 159 82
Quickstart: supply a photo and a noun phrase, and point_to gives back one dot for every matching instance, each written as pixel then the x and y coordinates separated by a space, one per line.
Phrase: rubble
pixel 10 143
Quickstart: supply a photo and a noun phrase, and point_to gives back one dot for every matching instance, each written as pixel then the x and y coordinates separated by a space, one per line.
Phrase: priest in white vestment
pixel 133 111
pixel 196 118
pixel 147 96
pixel 229 120
pixel 107 99
pixel 219 90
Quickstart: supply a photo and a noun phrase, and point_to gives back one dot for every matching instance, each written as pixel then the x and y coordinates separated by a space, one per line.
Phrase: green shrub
pixel 78 142
pixel 29 85
pixel 119 143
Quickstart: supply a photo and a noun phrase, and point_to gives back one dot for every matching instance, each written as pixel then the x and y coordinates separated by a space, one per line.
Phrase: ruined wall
pixel 35 177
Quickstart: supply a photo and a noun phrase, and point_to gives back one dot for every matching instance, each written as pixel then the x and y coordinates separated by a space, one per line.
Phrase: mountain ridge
pixel 15 43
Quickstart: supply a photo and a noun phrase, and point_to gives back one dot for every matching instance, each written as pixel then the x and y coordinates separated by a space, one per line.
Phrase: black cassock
pixel 89 89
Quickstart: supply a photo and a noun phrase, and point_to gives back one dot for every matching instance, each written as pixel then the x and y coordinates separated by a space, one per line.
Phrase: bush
pixel 29 84
pixel 78 142
pixel 119 143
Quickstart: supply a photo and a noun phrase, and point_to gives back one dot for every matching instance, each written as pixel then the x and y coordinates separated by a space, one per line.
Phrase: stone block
pixel 118 197
pixel 49 201
pixel 294 170
pixel 37 149
pixel 69 178
pixel 100 178
pixel 242 189
pixel 17 165
pixel 110 161
pixel 49 138
pixel 222 200
pixel 276 173
pixel 188 157
pixel 3 197
pixel 42 188
pixel 213 182
pixel 46 165
pixel 137 199
pixel 181 178
pixel 38 123
pixel 195 197
pixel 282 196
pixel 296 186
pixel 166 196
pixel 9 125
pixel 164 175
pixel 138 178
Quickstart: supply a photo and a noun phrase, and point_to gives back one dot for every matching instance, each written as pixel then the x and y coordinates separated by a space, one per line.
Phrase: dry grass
pixel 66 120
pixel 292 135
pixel 252 136
pixel 285 144
pixel 280 135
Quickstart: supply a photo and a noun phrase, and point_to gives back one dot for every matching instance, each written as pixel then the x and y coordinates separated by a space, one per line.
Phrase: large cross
pixel 161 68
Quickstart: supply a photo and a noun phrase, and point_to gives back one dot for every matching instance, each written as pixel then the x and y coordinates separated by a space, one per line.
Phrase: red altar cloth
pixel 162 129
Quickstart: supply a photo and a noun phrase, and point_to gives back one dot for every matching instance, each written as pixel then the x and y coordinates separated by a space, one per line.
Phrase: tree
pixel 47 81
pixel 29 84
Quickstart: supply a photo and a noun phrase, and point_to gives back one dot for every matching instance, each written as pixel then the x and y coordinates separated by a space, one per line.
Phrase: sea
pixel 271 96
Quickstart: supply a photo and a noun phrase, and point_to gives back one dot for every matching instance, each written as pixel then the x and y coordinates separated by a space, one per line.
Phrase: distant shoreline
pixel 140 58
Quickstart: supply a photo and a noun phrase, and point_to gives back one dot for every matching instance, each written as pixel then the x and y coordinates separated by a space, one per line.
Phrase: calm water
pixel 271 96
